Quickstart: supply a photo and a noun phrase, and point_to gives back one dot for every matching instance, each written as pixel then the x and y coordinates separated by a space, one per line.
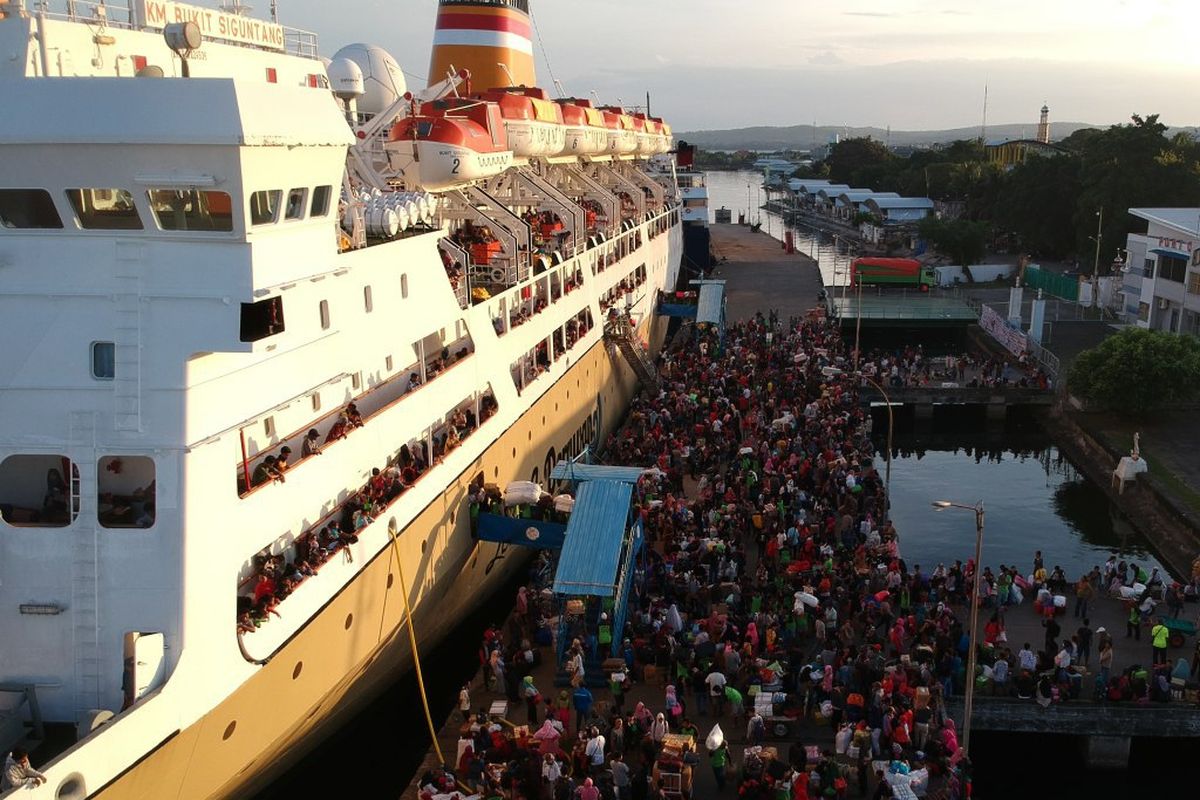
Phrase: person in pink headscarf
pixel 547 737
pixel 827 681
pixel 949 737
pixel 752 635
pixel 588 791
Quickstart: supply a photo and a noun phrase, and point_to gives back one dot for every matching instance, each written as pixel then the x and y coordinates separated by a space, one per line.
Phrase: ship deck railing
pixel 285 545
pixel 297 42
pixel 371 403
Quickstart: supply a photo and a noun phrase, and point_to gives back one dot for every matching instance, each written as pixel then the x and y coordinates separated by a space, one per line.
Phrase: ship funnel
pixel 490 38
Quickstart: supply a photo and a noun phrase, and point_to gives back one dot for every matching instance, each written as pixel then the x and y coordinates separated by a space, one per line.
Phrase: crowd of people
pixel 276 575
pixel 910 367
pixel 773 570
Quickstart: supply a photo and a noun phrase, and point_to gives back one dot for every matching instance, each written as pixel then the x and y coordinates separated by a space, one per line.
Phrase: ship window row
pixel 278 569
pixel 193 210
pixel 536 297
pixel 267 458
pixel 46 491
pixel 628 284
pixel 532 365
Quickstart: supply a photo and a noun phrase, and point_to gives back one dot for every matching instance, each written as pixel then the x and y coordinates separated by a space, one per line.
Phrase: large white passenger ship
pixel 212 241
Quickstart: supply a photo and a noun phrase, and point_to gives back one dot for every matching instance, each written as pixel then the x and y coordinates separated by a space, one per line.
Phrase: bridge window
pixel 104 361
pixel 126 491
pixel 368 300
pixel 295 204
pixel 191 210
pixel 264 206
pixel 324 315
pixel 105 209
pixel 28 208
pixel 39 491
pixel 320 201
pixel 262 319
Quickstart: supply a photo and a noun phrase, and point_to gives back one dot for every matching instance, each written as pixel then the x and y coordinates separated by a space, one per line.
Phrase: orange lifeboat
pixel 651 139
pixel 533 122
pixel 622 136
pixel 449 143
pixel 587 134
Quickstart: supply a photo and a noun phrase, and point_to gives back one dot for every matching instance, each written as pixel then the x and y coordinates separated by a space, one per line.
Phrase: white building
pixel 1162 280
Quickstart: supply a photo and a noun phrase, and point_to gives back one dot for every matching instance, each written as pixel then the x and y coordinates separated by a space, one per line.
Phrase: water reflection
pixel 1036 499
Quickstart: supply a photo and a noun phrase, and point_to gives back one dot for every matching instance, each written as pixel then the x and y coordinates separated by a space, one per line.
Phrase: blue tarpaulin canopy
pixel 575 471
pixel 711 307
pixel 591 556
pixel 514 530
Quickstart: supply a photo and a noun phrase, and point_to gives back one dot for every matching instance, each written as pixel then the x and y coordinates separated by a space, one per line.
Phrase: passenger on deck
pixel 353 418
pixel 264 472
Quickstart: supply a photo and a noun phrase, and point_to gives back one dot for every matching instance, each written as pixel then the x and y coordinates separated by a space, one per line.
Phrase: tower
pixel 1043 131
pixel 482 36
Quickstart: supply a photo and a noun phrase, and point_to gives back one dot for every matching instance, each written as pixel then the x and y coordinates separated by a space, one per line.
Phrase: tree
pixel 849 157
pixel 1138 371
pixel 964 241
pixel 1037 202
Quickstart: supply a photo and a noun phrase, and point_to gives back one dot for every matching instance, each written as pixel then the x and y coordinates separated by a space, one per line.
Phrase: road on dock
pixel 761 275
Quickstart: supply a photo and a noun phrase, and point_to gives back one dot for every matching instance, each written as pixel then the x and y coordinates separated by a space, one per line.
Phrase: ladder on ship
pixel 127 347
pixel 619 330
pixel 85 611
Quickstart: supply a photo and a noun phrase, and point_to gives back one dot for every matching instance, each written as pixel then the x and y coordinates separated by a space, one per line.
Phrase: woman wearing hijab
pixel 588 791
pixel 532 698
pixel 674 706
pixel 659 729
pixel 547 737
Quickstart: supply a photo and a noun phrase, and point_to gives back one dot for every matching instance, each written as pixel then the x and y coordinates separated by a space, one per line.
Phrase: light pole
pixel 857 322
pixel 969 697
pixel 887 475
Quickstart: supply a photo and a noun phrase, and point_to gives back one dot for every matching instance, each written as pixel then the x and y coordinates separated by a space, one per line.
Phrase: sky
pixel 908 64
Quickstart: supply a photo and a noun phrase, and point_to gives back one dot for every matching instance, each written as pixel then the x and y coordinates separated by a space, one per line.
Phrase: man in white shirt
pixel 716 691
pixel 595 751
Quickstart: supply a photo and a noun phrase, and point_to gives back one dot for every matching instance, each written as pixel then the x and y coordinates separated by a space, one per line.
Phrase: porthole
pixel 391 579
pixel 349 621
pixel 424 545
pixel 229 731
pixel 297 670
pixel 543 420
pixel 556 406
pixel 530 435
pixel 495 472
pixel 514 452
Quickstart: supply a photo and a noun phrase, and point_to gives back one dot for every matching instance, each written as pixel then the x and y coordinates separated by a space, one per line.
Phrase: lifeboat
pixel 587 135
pixel 622 137
pixel 652 139
pixel 533 122
pixel 449 143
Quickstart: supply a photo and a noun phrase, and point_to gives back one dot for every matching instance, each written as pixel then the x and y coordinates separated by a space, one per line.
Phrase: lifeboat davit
pixel 622 137
pixel 587 135
pixel 449 143
pixel 533 122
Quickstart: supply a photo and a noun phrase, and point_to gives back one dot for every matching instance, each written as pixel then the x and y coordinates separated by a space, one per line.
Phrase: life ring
pixel 497 274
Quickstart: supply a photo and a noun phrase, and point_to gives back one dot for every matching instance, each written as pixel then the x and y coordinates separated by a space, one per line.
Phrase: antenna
pixel 558 85
pixel 983 128
pixel 647 102
pixel 593 93
pixel 275 11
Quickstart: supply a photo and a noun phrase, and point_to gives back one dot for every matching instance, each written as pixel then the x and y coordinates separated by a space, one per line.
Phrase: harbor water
pixel 741 192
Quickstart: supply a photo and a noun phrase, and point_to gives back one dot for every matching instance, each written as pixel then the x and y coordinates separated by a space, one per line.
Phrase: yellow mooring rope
pixel 412 639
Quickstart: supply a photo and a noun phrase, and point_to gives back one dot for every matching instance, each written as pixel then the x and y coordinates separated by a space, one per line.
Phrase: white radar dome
pixel 346 79
pixel 383 82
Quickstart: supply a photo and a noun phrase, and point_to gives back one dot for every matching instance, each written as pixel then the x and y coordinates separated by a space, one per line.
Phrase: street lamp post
pixel 887 475
pixel 969 696
pixel 857 321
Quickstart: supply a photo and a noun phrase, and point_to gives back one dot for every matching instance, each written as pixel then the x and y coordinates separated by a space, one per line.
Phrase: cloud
pixel 827 58
pixel 660 58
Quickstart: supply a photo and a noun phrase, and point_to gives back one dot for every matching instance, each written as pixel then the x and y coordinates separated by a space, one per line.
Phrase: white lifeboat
pixel 652 139
pixel 587 134
pixel 534 123
pixel 622 138
pixel 447 145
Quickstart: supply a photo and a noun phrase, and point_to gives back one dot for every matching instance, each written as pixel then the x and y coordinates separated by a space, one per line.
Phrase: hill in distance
pixel 808 137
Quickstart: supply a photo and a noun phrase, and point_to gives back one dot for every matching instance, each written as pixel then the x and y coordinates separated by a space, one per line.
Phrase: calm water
pixel 742 190
pixel 1033 496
